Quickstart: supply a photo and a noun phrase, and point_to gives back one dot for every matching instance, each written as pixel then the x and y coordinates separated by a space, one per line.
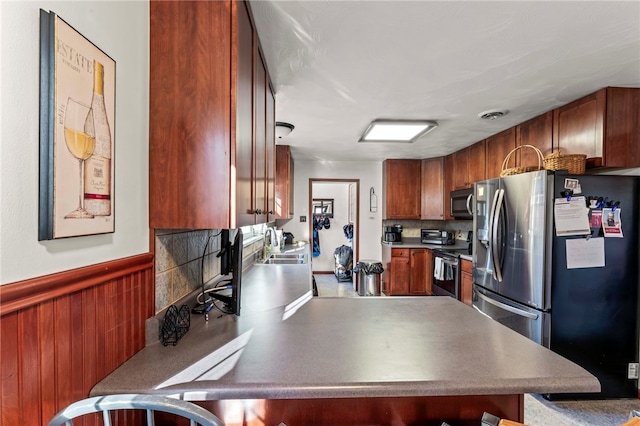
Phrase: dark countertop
pixel 287 344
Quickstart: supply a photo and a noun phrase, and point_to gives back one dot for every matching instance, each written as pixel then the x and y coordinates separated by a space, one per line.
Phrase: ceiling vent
pixel 493 114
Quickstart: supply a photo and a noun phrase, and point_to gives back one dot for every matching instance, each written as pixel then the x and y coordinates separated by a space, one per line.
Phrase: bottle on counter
pixel 97 168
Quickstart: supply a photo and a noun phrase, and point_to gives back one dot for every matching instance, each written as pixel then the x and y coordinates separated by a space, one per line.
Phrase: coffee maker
pixel 393 234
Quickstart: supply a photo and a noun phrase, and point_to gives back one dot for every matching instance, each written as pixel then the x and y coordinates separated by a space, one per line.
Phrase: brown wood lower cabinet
pixel 459 410
pixel 409 272
pixel 466 281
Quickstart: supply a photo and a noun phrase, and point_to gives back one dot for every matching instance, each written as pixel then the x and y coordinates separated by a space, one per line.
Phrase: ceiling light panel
pixel 397 130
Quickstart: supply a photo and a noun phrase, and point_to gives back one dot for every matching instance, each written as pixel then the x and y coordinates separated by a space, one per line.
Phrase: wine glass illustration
pixel 79 135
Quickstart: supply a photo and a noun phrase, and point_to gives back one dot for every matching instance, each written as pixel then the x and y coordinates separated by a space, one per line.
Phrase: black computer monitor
pixel 232 302
pixel 225 253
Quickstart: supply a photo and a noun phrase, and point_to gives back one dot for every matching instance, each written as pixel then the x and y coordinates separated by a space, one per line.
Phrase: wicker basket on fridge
pixel 574 163
pixel 521 169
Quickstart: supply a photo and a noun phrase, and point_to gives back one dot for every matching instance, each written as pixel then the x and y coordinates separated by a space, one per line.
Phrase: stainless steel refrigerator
pixel 585 310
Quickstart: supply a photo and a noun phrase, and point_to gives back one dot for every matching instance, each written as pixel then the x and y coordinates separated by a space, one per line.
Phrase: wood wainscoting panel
pixel 68 332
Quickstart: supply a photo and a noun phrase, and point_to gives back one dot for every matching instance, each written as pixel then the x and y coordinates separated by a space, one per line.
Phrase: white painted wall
pixel 369 174
pixel 121 29
pixel 333 237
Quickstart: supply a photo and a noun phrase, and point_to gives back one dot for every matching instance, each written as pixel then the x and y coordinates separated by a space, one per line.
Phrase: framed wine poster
pixel 77 133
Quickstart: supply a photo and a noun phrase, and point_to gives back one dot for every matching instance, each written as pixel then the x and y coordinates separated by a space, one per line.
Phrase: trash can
pixel 369 277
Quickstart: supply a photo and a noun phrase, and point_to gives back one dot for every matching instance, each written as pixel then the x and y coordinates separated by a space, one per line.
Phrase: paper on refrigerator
pixel 571 216
pixel 585 253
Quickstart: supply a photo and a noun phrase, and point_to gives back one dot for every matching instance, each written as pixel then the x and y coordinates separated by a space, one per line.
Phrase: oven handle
pixel 448 262
pixel 506 307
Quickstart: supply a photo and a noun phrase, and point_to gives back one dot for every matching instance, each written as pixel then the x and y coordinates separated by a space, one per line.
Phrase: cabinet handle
pixel 270 211
pixel 258 211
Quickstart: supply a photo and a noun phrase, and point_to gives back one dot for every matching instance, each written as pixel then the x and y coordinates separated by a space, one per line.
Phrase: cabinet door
pixel 244 119
pixel 604 125
pixel 461 168
pixel 537 132
pixel 189 115
pixel 498 146
pixel 477 160
pixel 449 184
pixel 622 128
pixel 402 181
pixel 579 125
pixel 429 274
pixel 466 281
pixel 271 154
pixel 432 198
pixel 259 136
pixel 400 276
pixel 284 182
pixel 419 272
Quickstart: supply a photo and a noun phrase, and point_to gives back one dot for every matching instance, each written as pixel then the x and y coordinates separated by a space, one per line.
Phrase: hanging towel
pixel 438 269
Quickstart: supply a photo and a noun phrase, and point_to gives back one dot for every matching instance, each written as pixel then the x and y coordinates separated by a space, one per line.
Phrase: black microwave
pixel 462 204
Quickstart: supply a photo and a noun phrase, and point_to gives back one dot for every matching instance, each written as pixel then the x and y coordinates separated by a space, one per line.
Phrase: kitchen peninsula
pixel 298 359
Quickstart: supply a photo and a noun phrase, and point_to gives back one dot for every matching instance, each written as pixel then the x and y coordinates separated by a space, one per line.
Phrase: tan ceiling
pixel 338 65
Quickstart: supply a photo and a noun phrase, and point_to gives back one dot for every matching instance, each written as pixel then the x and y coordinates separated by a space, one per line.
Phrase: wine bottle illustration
pixel 97 172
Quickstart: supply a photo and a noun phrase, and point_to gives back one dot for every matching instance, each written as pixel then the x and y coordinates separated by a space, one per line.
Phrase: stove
pixel 456 252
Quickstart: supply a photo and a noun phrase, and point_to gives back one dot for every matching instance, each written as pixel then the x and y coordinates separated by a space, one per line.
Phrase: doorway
pixel 336 205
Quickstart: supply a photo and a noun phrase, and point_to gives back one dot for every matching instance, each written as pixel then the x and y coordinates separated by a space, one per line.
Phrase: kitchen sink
pixel 286 259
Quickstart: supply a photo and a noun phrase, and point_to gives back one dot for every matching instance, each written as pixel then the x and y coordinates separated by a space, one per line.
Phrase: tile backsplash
pixel 411 228
pixel 178 258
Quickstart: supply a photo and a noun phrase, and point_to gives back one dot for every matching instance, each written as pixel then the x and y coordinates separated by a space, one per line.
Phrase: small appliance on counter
pixel 436 236
pixel 393 234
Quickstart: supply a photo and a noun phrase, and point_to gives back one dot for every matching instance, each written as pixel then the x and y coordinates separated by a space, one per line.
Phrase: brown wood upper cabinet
pixel 449 183
pixel 401 189
pixel 432 198
pixel 284 182
pixel 202 116
pixel 537 132
pixel 497 148
pixel 604 125
pixel 270 155
pixel 469 165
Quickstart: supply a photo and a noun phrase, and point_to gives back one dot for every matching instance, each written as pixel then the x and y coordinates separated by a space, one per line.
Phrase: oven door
pixel 446 275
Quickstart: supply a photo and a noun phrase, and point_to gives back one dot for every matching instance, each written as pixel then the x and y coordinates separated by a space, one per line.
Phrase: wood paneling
pixel 63 333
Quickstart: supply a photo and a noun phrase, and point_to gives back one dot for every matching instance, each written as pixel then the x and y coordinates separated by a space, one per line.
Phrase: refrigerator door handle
pixel 496 208
pixel 496 244
pixel 509 308
pixel 491 225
